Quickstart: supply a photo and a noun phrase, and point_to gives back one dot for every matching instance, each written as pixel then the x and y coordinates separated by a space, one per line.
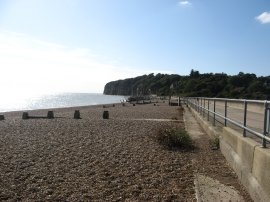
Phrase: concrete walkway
pixel 208 189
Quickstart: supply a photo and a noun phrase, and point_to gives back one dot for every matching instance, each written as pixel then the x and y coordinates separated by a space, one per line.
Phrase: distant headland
pixel 243 85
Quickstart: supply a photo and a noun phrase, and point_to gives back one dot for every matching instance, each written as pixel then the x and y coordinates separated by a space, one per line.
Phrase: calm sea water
pixel 56 101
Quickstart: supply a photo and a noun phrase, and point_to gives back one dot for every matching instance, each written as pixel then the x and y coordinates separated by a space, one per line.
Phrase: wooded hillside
pixel 246 86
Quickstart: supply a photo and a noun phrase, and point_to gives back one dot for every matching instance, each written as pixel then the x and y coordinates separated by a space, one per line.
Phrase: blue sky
pixel 79 45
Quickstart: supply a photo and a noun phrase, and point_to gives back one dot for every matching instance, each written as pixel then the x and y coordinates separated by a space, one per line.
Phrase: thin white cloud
pixel 29 66
pixel 184 3
pixel 264 18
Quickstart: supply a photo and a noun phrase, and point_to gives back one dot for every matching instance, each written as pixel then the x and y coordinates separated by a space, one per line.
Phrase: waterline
pixel 56 101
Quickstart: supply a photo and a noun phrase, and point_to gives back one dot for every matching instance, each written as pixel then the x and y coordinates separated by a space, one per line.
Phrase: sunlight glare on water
pixel 15 100
pixel 28 101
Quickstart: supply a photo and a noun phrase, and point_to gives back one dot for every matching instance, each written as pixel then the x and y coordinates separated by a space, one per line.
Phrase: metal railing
pixel 236 112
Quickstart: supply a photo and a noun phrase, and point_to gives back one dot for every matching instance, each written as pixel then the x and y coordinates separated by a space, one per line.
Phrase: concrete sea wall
pixel 250 162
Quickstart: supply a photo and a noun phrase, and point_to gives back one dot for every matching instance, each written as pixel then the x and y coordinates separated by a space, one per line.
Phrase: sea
pixel 59 100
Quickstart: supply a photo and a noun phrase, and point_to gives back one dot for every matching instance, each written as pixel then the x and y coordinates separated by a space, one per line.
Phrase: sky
pixel 50 46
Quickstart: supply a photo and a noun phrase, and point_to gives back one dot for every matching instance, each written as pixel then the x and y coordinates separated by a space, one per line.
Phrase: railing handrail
pixel 226 119
pixel 233 100
pixel 239 125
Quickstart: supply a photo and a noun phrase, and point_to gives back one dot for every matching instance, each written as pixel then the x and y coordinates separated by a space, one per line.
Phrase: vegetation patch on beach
pixel 214 143
pixel 175 138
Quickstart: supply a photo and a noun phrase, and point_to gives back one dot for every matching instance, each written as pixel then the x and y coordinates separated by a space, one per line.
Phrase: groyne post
pixel 2 117
pixel 50 115
pixel 77 114
pixel 25 115
pixel 105 114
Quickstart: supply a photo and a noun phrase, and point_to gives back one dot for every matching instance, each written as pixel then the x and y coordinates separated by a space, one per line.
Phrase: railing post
pixel 197 104
pixel 199 109
pixel 203 107
pixel 245 118
pixel 208 109
pixel 265 124
pixel 226 107
pixel 214 117
pixel 268 121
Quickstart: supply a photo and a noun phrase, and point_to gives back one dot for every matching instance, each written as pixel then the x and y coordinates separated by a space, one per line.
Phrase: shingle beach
pixel 93 159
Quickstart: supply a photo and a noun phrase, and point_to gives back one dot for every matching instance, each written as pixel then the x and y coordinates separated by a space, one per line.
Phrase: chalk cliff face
pixel 116 88
pixel 142 85
pixel 246 86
